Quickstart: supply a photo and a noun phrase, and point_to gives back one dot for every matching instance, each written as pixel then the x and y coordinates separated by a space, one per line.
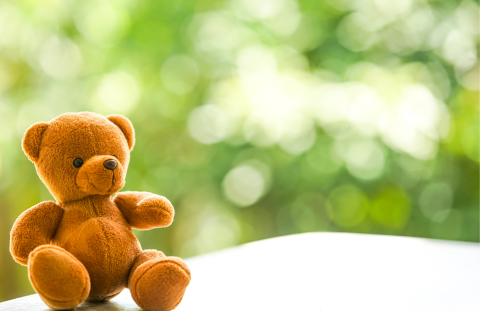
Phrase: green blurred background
pixel 256 118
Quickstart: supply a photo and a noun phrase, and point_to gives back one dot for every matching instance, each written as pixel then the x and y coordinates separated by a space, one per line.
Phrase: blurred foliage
pixel 256 118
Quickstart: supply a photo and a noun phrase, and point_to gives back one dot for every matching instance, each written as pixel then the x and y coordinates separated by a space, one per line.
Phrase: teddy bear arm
pixel 34 227
pixel 145 210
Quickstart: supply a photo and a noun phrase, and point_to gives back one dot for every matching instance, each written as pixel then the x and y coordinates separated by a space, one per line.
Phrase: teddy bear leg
pixel 158 282
pixel 59 278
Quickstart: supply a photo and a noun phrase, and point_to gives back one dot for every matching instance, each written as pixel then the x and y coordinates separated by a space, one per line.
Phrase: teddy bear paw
pixel 59 278
pixel 160 284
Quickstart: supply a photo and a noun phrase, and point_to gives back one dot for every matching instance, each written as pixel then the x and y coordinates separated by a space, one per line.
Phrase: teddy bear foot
pixel 59 278
pixel 159 284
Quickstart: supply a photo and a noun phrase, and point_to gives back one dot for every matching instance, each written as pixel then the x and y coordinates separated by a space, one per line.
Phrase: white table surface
pixel 324 272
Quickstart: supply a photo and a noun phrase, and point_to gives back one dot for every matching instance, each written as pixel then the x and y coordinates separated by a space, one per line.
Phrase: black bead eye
pixel 77 162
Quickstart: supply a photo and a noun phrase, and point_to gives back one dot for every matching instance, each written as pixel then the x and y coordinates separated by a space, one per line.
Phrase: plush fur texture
pixel 82 247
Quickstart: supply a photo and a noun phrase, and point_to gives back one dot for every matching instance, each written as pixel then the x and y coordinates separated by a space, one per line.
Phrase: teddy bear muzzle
pixel 100 175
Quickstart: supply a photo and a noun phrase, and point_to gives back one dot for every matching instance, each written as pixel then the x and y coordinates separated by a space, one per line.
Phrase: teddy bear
pixel 82 247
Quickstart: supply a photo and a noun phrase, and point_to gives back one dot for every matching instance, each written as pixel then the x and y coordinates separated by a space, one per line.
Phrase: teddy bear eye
pixel 77 162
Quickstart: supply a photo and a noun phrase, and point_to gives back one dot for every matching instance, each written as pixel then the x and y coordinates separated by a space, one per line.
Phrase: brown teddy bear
pixel 82 247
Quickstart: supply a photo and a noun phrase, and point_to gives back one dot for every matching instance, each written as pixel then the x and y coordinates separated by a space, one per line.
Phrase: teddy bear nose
pixel 110 164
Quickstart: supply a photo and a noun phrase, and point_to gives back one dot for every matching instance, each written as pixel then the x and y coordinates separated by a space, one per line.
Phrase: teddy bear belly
pixel 107 249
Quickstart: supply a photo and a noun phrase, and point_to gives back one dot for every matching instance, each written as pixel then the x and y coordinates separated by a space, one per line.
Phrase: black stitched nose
pixel 110 164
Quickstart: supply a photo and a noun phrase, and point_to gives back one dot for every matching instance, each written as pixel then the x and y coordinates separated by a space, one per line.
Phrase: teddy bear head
pixel 81 154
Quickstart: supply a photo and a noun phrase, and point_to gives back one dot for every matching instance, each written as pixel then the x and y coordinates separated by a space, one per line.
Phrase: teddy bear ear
pixel 32 140
pixel 126 126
